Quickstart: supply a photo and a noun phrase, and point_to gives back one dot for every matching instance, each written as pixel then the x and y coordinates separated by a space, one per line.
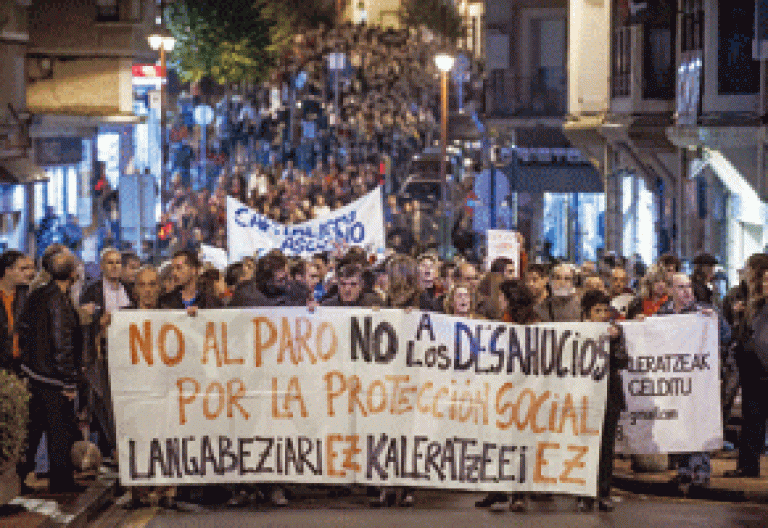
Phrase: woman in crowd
pixel 461 300
pixel 517 305
pixel 490 299
pixel 212 283
pixel 403 279
pixel 654 292
pixel 751 354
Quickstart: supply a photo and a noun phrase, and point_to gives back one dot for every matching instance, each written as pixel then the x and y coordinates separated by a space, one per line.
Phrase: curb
pixel 663 485
pixel 88 505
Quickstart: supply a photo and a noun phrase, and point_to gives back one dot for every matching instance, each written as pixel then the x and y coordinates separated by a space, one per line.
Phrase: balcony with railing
pixel 541 95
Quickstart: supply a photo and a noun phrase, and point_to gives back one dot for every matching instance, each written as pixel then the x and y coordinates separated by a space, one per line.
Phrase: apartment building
pixel 66 74
pixel 544 186
pixel 665 100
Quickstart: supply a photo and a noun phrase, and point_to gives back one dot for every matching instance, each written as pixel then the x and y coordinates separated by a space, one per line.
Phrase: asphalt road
pixel 435 509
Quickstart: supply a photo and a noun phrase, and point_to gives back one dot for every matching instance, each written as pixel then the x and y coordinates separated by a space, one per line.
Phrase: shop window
pixel 40 200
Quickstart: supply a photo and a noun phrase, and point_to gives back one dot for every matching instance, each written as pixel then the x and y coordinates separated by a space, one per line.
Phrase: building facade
pixel 67 73
pixel 666 100
pixel 542 185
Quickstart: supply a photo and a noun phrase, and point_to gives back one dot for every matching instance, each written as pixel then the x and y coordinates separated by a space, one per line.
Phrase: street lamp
pixel 164 42
pixel 444 63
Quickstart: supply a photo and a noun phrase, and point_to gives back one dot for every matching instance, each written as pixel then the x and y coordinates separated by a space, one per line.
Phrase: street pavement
pixel 644 500
pixel 440 508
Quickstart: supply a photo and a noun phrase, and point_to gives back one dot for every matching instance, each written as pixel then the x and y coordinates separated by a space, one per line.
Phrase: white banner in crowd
pixel 503 243
pixel 672 386
pixel 216 257
pixel 341 396
pixel 360 223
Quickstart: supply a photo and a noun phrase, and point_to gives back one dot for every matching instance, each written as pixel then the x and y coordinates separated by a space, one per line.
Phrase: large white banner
pixel 672 386
pixel 360 223
pixel 342 396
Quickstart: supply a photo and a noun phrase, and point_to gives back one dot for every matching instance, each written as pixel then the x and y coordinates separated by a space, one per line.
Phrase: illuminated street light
pixel 444 63
pixel 164 42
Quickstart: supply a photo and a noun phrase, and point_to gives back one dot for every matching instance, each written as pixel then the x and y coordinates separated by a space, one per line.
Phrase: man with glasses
pixel 563 305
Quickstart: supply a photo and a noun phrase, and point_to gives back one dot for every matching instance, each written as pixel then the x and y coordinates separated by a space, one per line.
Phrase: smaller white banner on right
pixel 672 386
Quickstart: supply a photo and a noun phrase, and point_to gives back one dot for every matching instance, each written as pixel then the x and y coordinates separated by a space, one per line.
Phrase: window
pixel 658 66
pixel 547 82
pixel 692 25
pixel 622 62
pixel 737 73
pixel 498 90
pixel 107 11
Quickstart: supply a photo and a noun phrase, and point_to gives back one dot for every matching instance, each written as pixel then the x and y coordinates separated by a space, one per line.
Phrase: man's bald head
pixel 63 265
pixel 682 291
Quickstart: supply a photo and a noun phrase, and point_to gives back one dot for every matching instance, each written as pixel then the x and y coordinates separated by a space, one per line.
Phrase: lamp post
pixel 444 63
pixel 164 42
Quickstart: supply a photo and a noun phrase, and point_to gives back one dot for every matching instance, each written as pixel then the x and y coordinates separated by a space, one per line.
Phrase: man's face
pixel 147 288
pixel 764 285
pixel 248 269
pixel 320 265
pixel 130 269
pixel 112 266
pixel 427 271
pixel 510 271
pixel 562 281
pixel 669 269
pixel 594 283
pixel 536 282
pixel 600 313
pixel 311 276
pixel 469 274
pixel 350 288
pixel 682 291
pixel 22 272
pixel 619 281
pixel 660 288
pixel 280 276
pixel 182 272
pixel 462 301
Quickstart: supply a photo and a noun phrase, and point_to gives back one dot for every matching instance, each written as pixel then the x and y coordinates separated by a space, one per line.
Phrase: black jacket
pixel 174 301
pixel 366 300
pixel 618 361
pixel 430 301
pixel 750 352
pixel 51 339
pixel 94 293
pixel 7 361
pixel 702 292
pixel 250 293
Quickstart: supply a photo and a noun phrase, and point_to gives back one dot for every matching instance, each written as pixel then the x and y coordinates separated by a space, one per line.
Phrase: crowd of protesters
pixel 53 328
pixel 387 109
pixel 282 193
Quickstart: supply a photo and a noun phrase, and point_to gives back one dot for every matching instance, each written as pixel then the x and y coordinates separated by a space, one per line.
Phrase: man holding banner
pixel 694 469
